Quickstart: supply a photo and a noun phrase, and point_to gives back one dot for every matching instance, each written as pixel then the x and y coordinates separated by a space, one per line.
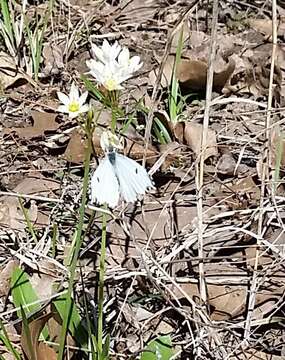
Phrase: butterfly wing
pixel 133 178
pixel 104 184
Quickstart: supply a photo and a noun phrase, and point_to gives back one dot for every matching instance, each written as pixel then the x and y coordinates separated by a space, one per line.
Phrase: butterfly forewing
pixel 104 184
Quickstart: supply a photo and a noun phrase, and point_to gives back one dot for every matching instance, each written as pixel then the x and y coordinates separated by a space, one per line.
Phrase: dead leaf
pixel 135 12
pixel 226 164
pixel 155 220
pixel 166 73
pixel 192 75
pixel 54 328
pixel 246 186
pixel 244 192
pixel 11 214
pixel 9 73
pixel 137 151
pixel 10 211
pixel 41 350
pixel 265 26
pixel 42 122
pixel 5 275
pixel 187 37
pixel 43 280
pixel 192 136
pixel 75 151
pixel 53 59
pixel 226 301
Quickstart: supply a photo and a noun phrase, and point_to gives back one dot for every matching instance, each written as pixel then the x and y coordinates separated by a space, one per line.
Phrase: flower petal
pixel 97 52
pixel 83 98
pixel 95 65
pixel 134 63
pixel 106 46
pixel 116 48
pixel 63 98
pixel 83 108
pixel 74 92
pixel 124 56
pixel 63 109
pixel 73 114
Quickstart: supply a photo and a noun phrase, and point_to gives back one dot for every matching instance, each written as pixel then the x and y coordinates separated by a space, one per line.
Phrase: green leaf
pixel 6 17
pixel 7 343
pixel 106 347
pixel 23 293
pixel 24 296
pixel 76 328
pixel 173 106
pixel 161 132
pixel 158 349
pixel 91 88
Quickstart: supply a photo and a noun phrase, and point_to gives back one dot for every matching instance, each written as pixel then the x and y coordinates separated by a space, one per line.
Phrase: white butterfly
pixel 118 176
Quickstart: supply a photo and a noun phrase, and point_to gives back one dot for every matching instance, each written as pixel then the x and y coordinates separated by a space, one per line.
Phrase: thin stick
pixel 264 176
pixel 200 164
pixel 32 197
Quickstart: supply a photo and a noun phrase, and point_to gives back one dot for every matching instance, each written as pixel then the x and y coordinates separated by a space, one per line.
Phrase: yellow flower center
pixel 73 106
pixel 111 84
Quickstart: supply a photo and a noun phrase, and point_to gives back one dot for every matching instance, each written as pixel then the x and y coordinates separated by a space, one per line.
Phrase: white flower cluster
pixel 117 176
pixel 113 65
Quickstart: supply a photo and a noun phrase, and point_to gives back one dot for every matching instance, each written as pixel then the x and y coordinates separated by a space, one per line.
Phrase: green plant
pixel 174 106
pixel 23 294
pixel 18 32
pixel 11 29
pixel 35 39
pixel 102 349
pixel 28 221
pixel 160 131
pixel 7 343
pixel 78 236
pixel 158 349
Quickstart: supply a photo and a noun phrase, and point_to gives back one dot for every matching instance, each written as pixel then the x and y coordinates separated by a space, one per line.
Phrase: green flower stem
pixel 79 239
pixel 113 98
pixel 101 285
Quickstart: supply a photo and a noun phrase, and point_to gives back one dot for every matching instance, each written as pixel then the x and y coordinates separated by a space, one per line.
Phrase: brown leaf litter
pixel 11 214
pixel 10 73
pixel 42 122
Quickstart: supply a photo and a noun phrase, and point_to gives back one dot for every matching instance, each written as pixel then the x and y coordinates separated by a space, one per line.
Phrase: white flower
pixel 129 65
pixel 74 104
pixel 117 176
pixel 108 75
pixel 113 65
pixel 107 52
